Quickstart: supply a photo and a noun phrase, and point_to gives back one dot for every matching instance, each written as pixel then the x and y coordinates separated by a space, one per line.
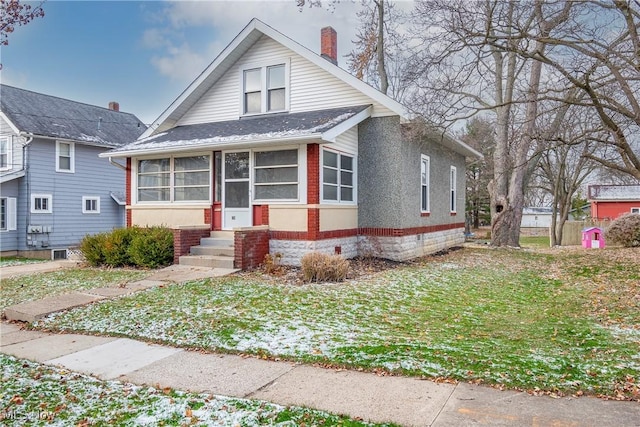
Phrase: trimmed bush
pixel 140 247
pixel 92 247
pixel 625 231
pixel 152 247
pixel 319 267
pixel 116 247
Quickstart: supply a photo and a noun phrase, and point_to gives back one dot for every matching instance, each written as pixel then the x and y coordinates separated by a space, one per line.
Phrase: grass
pixel 38 395
pixel 13 260
pixel 535 242
pixel 560 322
pixel 20 289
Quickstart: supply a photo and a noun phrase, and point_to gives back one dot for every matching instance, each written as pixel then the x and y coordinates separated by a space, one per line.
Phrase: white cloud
pixel 183 58
pixel 180 63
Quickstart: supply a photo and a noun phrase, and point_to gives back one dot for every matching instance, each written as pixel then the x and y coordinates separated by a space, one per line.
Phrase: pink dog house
pixel 592 237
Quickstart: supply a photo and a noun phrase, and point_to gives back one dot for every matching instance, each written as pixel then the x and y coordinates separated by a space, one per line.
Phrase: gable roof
pixel 263 129
pixel 238 46
pixel 36 114
pixel 614 192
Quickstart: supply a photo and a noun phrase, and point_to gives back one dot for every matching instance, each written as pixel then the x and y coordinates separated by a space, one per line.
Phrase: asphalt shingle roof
pixel 614 192
pixel 50 116
pixel 263 127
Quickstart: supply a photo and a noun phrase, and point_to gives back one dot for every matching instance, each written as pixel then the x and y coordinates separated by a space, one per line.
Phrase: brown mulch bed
pixel 359 268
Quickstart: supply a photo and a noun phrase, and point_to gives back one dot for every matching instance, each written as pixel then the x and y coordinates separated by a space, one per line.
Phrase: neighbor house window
pixel 174 179
pixel 90 205
pixel 5 153
pixel 452 189
pixel 41 203
pixel 65 157
pixel 275 175
pixel 264 89
pixel 424 183
pixel 338 184
pixel 8 219
pixel 635 210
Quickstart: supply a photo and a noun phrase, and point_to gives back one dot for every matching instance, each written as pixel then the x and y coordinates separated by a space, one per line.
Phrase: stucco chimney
pixel 329 44
pixel 114 106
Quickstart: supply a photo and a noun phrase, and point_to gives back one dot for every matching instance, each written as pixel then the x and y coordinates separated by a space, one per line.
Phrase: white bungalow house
pixel 274 148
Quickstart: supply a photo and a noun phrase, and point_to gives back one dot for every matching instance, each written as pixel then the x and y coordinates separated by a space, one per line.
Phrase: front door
pixel 236 211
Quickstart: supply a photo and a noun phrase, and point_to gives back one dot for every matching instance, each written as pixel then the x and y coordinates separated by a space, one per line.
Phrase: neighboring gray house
pixel 277 149
pixel 54 187
pixel 536 217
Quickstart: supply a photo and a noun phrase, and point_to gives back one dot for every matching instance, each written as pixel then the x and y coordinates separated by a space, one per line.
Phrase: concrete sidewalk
pixel 407 401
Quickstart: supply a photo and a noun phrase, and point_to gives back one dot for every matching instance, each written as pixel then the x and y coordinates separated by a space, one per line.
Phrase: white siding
pixel 311 88
pixel 16 147
pixel 347 142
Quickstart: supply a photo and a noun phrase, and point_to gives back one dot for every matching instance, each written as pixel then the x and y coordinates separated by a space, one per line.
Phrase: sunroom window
pixel 337 177
pixel 276 175
pixel 174 179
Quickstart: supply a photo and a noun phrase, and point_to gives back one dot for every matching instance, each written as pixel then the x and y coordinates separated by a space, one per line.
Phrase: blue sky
pixel 143 54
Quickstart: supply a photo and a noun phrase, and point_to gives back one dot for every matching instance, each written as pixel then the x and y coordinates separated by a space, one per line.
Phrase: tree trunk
pixel 382 71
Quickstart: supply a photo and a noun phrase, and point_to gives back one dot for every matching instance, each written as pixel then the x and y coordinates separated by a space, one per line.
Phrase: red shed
pixel 608 202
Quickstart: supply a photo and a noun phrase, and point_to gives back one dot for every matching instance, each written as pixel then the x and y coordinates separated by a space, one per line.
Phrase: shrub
pixel 319 267
pixel 152 247
pixel 92 248
pixel 116 246
pixel 271 264
pixel 625 231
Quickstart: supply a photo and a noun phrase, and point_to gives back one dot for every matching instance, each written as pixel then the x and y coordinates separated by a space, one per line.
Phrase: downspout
pixel 114 163
pixel 25 166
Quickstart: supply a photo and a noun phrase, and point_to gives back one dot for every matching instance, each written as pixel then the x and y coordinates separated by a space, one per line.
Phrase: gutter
pixel 210 146
pixel 116 164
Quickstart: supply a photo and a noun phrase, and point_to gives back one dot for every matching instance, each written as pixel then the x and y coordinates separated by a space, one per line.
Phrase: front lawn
pixel 13 261
pixel 15 290
pixel 559 321
pixel 38 395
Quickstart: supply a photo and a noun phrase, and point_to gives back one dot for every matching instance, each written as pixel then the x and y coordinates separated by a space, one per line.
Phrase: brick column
pixel 313 190
pixel 250 246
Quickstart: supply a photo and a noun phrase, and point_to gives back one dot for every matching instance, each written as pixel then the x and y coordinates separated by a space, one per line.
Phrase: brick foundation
pixel 250 246
pixel 184 238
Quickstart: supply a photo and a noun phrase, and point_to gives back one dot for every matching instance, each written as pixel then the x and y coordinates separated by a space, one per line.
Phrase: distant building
pixel 608 202
pixel 54 187
pixel 536 217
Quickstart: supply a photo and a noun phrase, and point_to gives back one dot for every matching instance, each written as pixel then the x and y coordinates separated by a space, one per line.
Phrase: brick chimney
pixel 329 44
pixel 114 106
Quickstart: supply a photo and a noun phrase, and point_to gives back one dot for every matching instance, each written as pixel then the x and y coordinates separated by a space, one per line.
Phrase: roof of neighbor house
pixel 36 114
pixel 614 192
pixel 537 210
pixel 325 124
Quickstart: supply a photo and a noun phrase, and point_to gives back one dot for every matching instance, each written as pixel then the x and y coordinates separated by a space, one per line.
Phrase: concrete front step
pixel 211 261
pixel 228 234
pixel 212 250
pixel 216 241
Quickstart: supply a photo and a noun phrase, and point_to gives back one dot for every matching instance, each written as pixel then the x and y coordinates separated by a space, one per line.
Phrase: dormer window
pixel 265 89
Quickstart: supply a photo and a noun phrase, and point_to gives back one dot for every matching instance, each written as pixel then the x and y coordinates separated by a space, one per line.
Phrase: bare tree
pixel 377 55
pixel 471 61
pixel 14 13
pixel 479 134
pixel 599 53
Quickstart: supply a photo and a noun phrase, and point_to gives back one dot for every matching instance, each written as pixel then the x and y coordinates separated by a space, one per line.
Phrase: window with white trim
pixel 65 157
pixel 90 204
pixel 174 179
pixel 425 204
pixel 265 89
pixel 41 203
pixel 275 175
pixel 338 177
pixel 635 210
pixel 5 154
pixel 453 179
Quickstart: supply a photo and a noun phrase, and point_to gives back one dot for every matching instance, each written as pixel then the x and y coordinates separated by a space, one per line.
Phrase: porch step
pixel 212 250
pixel 220 242
pixel 211 261
pixel 226 234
